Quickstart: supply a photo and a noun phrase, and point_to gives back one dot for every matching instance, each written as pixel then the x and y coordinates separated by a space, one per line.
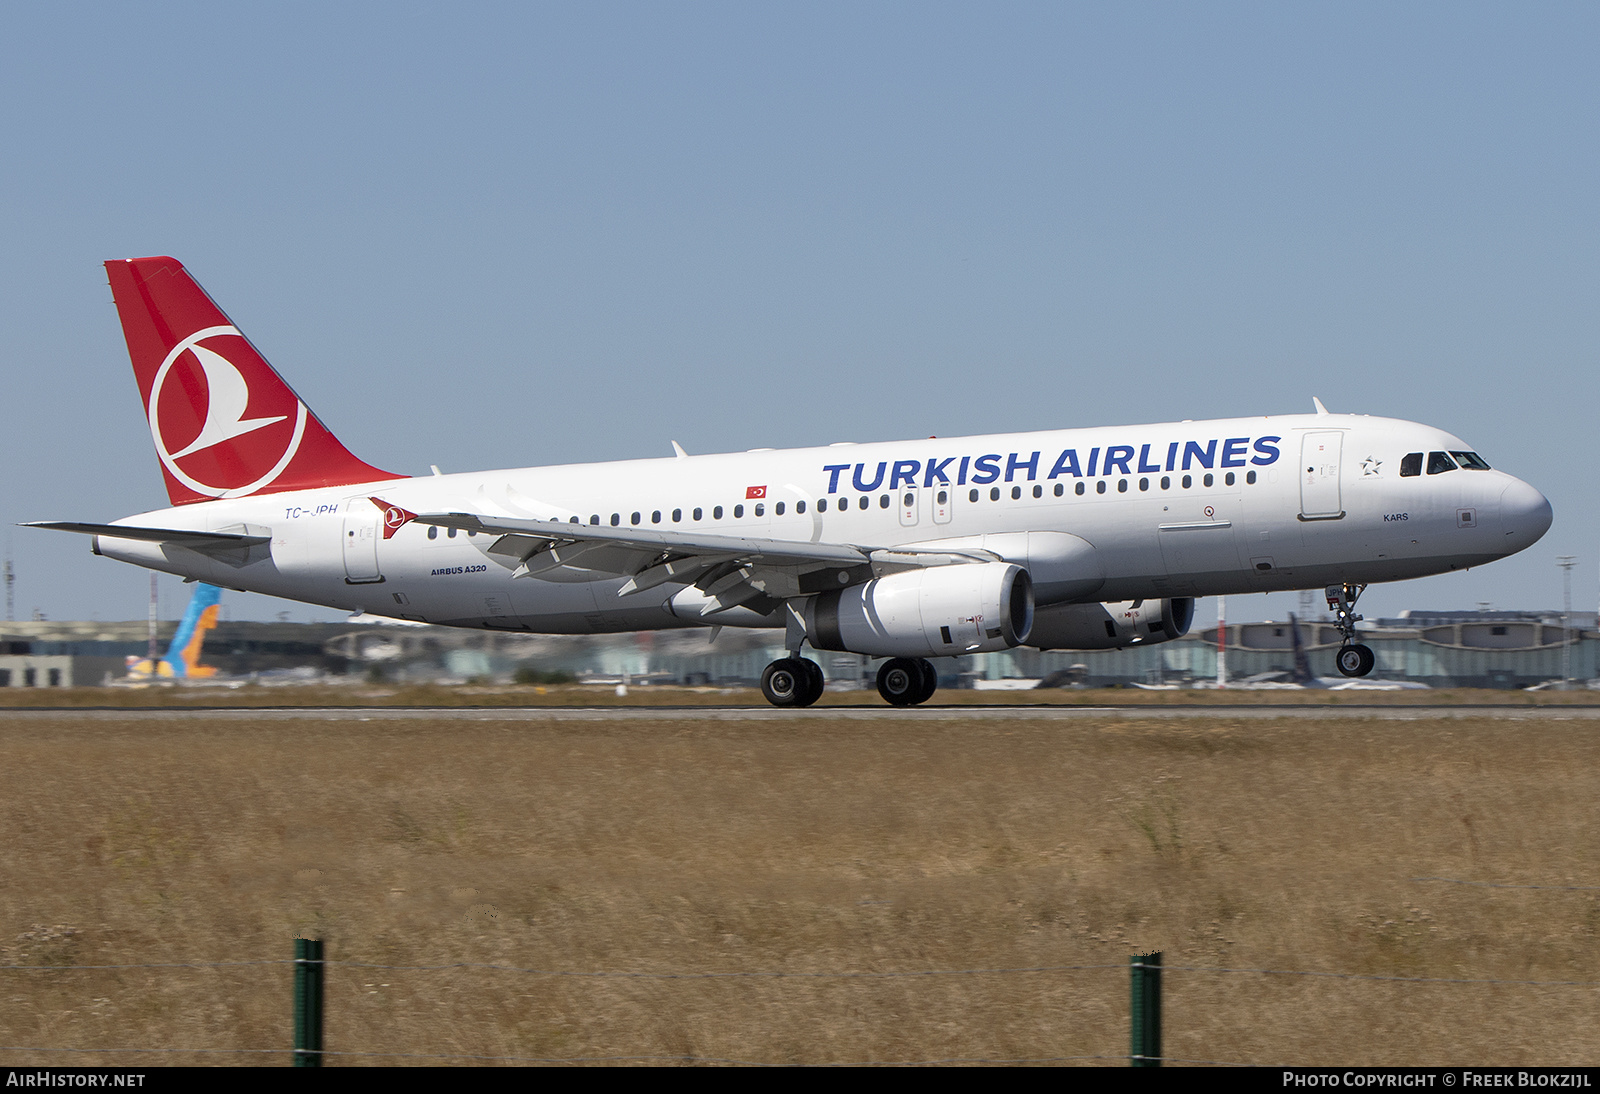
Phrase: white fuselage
pixel 1170 510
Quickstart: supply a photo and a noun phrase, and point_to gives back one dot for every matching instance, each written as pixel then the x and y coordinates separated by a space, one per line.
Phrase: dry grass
pixel 799 847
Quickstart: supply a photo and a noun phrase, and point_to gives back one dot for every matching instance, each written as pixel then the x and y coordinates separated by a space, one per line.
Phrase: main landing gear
pixel 1353 659
pixel 796 681
pixel 792 682
pixel 907 681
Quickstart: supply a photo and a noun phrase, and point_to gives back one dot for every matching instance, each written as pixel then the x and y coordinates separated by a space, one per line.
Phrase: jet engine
pixel 1111 626
pixel 936 611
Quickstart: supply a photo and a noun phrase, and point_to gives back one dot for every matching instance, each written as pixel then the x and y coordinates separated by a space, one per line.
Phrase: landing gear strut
pixel 792 682
pixel 907 681
pixel 1353 659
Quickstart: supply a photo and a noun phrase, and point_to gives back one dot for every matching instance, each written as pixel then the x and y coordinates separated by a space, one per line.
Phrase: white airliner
pixel 909 550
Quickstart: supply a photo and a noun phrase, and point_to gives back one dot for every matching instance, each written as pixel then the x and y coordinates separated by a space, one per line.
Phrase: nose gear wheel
pixel 1354 660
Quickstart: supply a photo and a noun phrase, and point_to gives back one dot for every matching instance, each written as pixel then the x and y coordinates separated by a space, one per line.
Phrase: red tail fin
pixel 224 423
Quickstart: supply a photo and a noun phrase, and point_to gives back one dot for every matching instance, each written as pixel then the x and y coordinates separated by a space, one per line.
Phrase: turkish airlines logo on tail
pixel 210 442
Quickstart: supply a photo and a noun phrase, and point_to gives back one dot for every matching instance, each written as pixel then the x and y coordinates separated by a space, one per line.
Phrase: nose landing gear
pixel 1353 658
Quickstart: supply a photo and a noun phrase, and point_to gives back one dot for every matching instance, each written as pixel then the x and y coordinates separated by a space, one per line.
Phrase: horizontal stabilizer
pixel 180 537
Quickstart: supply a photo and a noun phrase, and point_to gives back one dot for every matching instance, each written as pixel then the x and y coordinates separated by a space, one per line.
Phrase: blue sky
pixel 502 235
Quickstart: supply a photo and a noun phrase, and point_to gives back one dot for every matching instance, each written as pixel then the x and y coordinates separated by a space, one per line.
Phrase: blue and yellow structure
pixel 182 660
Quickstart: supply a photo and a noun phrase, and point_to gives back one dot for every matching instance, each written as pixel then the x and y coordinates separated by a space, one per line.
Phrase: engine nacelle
pixel 1111 626
pixel 937 611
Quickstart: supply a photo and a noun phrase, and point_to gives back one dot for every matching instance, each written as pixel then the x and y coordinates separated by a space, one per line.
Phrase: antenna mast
pixel 154 652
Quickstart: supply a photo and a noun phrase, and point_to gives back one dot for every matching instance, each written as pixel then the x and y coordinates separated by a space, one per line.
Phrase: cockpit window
pixel 1410 464
pixel 1471 461
pixel 1439 463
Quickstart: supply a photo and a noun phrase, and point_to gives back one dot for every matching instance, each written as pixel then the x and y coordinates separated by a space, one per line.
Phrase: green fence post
pixel 1145 1010
pixel 308 1002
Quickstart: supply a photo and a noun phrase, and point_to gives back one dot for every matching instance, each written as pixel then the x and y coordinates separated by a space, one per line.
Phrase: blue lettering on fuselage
pixel 989 467
pixel 905 471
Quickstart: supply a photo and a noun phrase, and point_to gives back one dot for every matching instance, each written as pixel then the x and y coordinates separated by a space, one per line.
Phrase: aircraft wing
pixel 728 569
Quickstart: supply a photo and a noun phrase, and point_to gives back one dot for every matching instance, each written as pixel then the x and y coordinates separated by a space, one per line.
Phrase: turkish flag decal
pixel 753 493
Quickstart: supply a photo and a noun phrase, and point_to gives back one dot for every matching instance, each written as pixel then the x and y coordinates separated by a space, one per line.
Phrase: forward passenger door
pixel 1319 476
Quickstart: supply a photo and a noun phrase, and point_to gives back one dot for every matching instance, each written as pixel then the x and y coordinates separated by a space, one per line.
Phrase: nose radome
pixel 1525 515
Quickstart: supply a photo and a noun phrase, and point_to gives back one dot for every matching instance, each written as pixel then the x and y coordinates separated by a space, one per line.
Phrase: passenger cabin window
pixel 1471 461
pixel 1439 463
pixel 1410 464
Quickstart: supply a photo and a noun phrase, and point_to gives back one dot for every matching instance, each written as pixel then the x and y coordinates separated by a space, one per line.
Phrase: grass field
pixel 825 847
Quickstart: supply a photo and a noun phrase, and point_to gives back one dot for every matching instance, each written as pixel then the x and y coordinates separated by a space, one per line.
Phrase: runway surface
pixel 865 713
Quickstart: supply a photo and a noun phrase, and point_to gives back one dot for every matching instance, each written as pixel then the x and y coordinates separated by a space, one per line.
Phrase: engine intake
pixel 1111 626
pixel 938 611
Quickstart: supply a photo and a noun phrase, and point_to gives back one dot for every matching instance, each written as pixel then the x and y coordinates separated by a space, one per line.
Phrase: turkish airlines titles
pixel 1118 459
